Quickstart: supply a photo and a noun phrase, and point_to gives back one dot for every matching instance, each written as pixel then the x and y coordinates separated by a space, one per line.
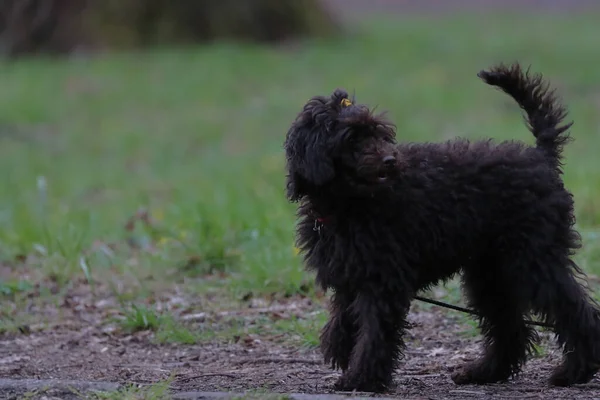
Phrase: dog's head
pixel 336 144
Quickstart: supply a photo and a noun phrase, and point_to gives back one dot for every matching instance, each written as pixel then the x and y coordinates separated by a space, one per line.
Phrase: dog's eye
pixel 347 136
pixel 352 140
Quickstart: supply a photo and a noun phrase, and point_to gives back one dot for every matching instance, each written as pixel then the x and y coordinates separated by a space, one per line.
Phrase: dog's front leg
pixel 339 334
pixel 381 319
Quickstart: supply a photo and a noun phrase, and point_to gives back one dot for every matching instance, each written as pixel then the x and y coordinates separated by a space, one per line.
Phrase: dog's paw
pixel 477 373
pixel 462 376
pixel 348 384
pixel 560 379
pixel 565 376
pixel 341 385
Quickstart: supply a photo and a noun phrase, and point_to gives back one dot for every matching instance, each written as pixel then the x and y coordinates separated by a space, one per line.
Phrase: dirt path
pixel 436 344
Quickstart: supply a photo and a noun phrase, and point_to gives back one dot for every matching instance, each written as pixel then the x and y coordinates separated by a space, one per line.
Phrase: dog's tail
pixel 544 113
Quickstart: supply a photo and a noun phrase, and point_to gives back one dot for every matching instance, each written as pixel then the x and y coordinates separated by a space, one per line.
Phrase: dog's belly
pixel 431 275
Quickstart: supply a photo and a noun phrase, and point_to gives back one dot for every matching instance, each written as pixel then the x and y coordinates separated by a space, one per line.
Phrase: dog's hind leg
pixel 508 340
pixel 339 334
pixel 563 302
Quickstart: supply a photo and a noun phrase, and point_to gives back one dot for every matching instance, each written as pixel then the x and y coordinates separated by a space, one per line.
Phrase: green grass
pixel 161 168
pixel 140 318
pixel 10 288
pixel 137 318
pixel 302 331
pixel 156 391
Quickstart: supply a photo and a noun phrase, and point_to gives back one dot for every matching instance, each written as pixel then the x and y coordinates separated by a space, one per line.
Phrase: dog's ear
pixel 309 162
pixel 310 144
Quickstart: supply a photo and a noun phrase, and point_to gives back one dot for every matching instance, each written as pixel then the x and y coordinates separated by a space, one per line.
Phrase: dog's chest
pixel 351 252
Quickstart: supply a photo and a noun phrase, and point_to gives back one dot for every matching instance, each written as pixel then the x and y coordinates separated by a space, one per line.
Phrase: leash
pixel 473 312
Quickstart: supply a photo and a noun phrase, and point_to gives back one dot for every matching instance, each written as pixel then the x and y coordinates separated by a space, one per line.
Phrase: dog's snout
pixel 389 161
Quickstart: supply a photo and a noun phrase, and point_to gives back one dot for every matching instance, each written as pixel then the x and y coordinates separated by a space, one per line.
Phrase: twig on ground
pixel 267 360
pixel 421 376
pixel 247 311
pixel 587 386
pixel 192 377
pixel 468 392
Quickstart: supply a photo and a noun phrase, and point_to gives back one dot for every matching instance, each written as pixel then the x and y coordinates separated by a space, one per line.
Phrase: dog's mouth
pixel 383 176
pixel 387 168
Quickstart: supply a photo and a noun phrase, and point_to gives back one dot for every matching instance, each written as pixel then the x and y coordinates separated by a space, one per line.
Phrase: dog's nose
pixel 389 161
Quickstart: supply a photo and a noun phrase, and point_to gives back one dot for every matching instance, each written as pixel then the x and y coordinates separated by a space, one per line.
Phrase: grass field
pixel 152 176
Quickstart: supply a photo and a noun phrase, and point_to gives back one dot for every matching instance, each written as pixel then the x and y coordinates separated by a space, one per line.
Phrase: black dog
pixel 379 221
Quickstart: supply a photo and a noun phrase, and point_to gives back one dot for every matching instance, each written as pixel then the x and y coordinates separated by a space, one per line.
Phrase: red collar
pixel 320 223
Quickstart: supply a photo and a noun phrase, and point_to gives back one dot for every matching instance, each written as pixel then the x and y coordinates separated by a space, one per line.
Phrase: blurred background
pixel 141 140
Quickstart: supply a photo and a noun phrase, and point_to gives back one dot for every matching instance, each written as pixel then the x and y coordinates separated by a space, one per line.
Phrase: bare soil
pixel 84 347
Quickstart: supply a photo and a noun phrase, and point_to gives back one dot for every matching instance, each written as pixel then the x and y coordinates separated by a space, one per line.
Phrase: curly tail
pixel 544 113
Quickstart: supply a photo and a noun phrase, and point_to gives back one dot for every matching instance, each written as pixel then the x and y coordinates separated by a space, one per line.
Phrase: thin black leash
pixel 473 312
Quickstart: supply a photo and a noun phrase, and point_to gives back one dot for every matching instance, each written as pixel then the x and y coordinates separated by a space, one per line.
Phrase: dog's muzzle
pixel 387 169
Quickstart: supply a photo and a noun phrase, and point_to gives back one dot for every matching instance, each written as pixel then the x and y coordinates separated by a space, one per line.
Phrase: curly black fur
pixel 379 221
